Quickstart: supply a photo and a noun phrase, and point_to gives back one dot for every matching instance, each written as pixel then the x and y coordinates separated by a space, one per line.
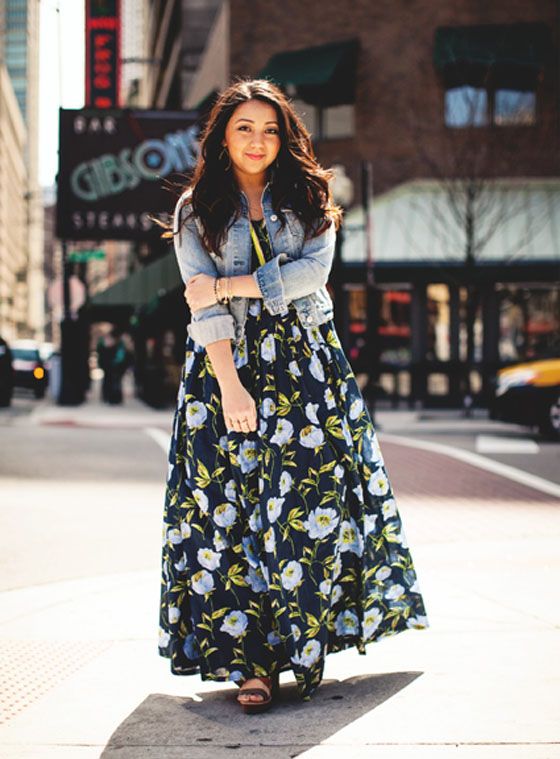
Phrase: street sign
pixel 79 256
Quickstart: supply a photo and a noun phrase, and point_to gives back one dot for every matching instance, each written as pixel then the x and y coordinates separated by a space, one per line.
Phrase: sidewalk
pixel 82 678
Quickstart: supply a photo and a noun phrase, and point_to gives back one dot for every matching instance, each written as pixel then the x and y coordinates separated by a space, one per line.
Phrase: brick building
pixel 451 112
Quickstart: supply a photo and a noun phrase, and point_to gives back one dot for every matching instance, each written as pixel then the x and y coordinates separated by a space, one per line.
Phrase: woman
pixel 282 541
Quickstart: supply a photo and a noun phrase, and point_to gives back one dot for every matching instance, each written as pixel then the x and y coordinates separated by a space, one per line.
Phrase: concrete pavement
pixel 81 676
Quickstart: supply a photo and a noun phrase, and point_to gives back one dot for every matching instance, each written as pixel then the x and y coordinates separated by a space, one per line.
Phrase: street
pixel 81 501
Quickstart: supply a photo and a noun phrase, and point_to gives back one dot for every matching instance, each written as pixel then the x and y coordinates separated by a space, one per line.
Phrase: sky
pixel 61 75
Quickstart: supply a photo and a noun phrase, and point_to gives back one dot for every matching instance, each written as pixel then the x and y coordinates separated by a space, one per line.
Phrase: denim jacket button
pixel 274 217
pixel 309 318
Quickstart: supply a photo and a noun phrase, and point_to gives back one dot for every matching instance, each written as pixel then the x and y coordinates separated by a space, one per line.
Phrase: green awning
pixel 142 287
pixel 512 54
pixel 322 75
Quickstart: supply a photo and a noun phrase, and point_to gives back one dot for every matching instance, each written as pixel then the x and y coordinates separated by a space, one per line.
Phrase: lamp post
pixel 371 290
pixel 343 194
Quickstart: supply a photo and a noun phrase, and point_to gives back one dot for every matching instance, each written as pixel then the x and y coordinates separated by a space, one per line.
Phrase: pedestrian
pixel 282 541
pixel 114 358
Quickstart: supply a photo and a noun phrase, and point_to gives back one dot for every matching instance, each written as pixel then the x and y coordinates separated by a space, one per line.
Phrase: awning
pixel 512 55
pixel 322 75
pixel 142 288
pixel 419 222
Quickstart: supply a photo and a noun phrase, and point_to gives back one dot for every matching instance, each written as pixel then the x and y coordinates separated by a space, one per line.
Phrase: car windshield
pixel 27 354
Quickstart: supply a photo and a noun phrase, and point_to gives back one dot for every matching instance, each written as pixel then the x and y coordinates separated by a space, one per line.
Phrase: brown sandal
pixel 252 707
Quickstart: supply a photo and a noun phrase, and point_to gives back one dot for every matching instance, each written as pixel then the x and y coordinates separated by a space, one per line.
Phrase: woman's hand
pixel 199 291
pixel 239 408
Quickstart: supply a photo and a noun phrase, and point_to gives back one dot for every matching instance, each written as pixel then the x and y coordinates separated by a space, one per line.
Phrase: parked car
pixel 6 374
pixel 29 368
pixel 529 393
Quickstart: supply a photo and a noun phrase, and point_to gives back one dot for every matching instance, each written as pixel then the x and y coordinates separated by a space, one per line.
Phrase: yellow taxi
pixel 529 393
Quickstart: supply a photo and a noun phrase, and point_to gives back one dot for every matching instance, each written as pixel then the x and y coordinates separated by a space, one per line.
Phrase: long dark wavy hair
pixel 296 179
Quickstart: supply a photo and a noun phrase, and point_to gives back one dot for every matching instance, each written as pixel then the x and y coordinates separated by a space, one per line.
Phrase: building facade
pixel 13 212
pixel 19 45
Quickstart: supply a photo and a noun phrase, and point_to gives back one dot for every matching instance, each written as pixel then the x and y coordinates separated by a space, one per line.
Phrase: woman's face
pixel 252 138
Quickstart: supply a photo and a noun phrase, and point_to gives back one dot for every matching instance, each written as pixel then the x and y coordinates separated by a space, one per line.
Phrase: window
pixel 466 106
pixel 476 106
pixel 513 108
pixel 332 122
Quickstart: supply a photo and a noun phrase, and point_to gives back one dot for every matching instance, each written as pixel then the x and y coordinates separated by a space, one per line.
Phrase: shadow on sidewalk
pixel 164 726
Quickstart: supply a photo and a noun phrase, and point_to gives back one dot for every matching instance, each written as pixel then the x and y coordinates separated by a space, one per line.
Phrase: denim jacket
pixel 297 273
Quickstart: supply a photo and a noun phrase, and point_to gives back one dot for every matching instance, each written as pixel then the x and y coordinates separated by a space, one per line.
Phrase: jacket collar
pixel 265 198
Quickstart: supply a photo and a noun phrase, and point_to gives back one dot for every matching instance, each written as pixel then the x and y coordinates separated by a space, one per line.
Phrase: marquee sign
pixel 116 168
pixel 103 30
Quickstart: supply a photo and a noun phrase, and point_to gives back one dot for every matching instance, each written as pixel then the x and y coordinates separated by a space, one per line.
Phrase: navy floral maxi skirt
pixel 283 544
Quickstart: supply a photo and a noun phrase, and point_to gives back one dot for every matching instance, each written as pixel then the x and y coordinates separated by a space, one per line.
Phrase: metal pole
pixel 372 336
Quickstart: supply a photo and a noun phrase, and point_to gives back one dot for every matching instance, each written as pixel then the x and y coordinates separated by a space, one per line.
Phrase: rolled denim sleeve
pixel 283 279
pixel 210 323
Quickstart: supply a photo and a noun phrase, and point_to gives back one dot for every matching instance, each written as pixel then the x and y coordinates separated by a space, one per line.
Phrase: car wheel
pixel 550 424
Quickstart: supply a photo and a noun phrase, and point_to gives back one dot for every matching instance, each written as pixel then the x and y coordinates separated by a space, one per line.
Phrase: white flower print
pixel 383 573
pixel 202 582
pixel 223 442
pixel 339 471
pixel 181 564
pixel 284 431
pixel 230 490
pixel 219 543
pixel 336 594
pixel 291 575
pixel 325 587
pixel 321 522
pixel 329 398
pixel 235 623
pixel 369 523
pixel 346 623
pixel 201 500
pixel 337 567
pixel 268 348
pixel 310 653
pixel 195 414
pixel 256 580
pixel 316 368
pixel 270 540
pixel 274 508
pixel 350 538
pixel 268 407
pixel 296 632
pixel 285 482
pixel 356 408
pixel 174 536
pixel 296 332
pixel 311 412
pixel 255 521
pixel 311 437
pixel 225 515
pixel 394 592
pixel 273 638
pixel 372 620
pixel 163 638
pixel 173 615
pixel 208 559
pixel 248 456
pixel 294 369
pixel 419 622
pixel 359 491
pixel 343 388
pixel 185 530
pixel 389 508
pixel 378 483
